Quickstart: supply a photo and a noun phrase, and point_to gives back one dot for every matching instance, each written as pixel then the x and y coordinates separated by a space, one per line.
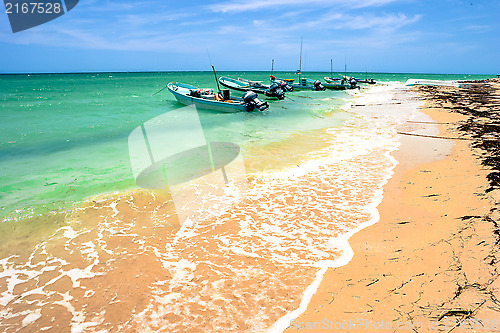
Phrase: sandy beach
pixel 416 207
pixel 431 262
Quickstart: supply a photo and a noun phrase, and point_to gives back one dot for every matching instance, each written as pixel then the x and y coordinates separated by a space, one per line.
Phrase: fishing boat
pixel 331 79
pixel 337 85
pixel 284 84
pixel 303 83
pixel 352 82
pixel 221 101
pixel 415 82
pixel 342 84
pixel 273 90
pixel 369 81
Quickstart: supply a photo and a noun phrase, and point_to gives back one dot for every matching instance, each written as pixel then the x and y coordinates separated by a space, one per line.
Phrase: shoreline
pixel 158 274
pixel 407 269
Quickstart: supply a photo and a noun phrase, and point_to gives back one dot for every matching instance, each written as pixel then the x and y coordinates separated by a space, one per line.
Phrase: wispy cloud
pixel 476 28
pixel 239 6
pixel 359 22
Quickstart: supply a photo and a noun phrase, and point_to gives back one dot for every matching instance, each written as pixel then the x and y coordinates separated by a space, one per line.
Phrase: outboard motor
pixel 318 86
pixel 353 83
pixel 276 91
pixel 250 98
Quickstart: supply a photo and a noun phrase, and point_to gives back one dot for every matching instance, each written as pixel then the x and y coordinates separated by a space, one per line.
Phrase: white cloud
pixel 476 28
pixel 248 5
pixel 358 22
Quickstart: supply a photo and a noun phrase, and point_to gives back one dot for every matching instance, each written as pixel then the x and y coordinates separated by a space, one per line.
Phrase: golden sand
pixel 431 263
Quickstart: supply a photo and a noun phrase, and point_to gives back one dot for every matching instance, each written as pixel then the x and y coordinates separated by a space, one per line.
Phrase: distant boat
pixel 366 80
pixel 273 90
pixel 413 82
pixel 207 99
pixel 342 84
pixel 337 85
pixel 303 83
pixel 306 84
pixel 331 79
pixel 369 81
pixel 284 84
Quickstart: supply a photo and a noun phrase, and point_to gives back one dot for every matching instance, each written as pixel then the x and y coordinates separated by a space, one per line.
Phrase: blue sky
pixel 420 36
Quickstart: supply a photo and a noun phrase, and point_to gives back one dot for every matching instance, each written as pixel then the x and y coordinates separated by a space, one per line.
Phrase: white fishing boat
pixel 336 85
pixel 303 83
pixel 335 81
pixel 308 84
pixel 285 84
pixel 425 82
pixel 273 90
pixel 329 79
pixel 220 101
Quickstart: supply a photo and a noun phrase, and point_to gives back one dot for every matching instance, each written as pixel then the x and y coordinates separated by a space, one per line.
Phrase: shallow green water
pixel 63 137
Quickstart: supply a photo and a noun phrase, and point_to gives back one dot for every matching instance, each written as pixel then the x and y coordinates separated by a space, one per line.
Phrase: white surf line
pixel 347 254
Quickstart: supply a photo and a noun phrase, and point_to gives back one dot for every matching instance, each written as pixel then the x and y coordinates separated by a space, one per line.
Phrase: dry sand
pixel 431 264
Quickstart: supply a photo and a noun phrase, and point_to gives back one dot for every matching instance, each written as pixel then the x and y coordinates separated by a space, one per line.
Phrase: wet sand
pixel 122 261
pixel 431 263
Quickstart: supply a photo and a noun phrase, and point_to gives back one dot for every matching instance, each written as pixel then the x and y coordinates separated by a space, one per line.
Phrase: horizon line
pixel 201 71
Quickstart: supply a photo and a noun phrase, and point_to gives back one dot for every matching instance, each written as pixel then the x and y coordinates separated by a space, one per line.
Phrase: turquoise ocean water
pixel 63 137
pixel 82 249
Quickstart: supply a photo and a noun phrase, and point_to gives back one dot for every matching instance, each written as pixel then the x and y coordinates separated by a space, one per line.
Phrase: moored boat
pixel 342 84
pixel 414 82
pixel 350 81
pixel 329 79
pixel 240 84
pixel 337 85
pixel 207 99
pixel 333 80
pixel 304 84
pixel 369 81
pixel 284 84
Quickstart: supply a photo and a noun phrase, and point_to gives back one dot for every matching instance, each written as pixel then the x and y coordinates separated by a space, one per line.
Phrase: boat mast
pixel 345 62
pixel 331 68
pixel 272 67
pixel 300 62
pixel 216 80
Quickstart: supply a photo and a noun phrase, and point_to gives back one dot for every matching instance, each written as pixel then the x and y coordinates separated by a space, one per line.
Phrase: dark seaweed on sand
pixel 481 102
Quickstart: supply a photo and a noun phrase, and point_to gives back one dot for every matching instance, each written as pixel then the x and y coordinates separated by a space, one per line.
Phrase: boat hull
pixel 179 91
pixel 331 79
pixel 335 86
pixel 241 87
pixel 233 84
pixel 305 84
pixel 301 87
pixel 414 82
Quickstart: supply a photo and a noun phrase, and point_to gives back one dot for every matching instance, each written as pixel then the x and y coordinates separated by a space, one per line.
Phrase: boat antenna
pixel 272 67
pixel 331 68
pixel 345 62
pixel 300 61
pixel 216 81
